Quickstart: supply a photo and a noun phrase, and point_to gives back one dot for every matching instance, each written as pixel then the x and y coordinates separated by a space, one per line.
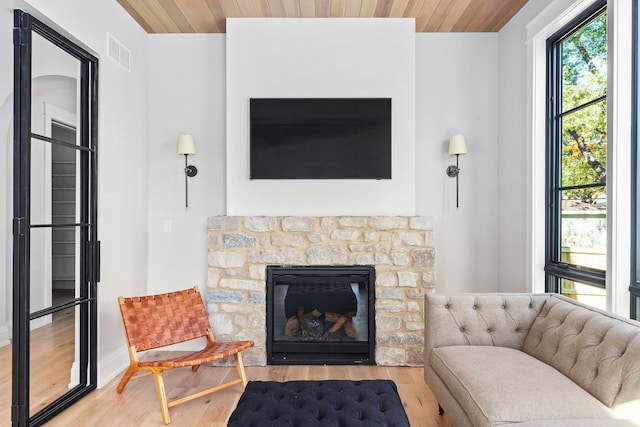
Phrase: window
pixel 576 217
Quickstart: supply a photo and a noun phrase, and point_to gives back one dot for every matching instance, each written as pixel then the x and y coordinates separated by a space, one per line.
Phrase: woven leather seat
pixel 159 320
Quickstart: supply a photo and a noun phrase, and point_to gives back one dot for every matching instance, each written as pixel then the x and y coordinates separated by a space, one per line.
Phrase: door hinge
pixel 19 226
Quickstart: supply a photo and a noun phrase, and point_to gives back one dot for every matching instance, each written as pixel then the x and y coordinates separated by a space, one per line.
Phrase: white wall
pixel 320 58
pixel 456 85
pixel 513 160
pixel 191 99
pixel 186 94
pixel 6 154
pixel 122 155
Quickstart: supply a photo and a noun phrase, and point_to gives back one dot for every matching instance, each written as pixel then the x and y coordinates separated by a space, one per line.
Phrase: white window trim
pixel 619 126
pixel 551 19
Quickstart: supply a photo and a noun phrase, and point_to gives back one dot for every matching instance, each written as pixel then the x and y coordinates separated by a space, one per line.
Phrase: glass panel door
pixel 55 230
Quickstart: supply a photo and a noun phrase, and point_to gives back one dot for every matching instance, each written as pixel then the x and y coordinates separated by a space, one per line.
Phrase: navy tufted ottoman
pixel 334 403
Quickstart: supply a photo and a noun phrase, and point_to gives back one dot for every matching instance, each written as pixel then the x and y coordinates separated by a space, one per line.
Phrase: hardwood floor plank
pixel 297 373
pixel 402 375
pixel 318 373
pixel 421 406
pixel 138 404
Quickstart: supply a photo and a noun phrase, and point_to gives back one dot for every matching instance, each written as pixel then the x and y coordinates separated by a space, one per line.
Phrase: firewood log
pixel 349 329
pixel 333 317
pixel 292 327
pixel 336 326
pixel 300 320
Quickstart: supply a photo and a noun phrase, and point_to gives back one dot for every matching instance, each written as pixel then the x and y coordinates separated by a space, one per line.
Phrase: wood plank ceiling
pixel 208 16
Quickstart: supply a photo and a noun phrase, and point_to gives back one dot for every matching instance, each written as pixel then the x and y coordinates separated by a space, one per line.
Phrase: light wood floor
pixel 138 404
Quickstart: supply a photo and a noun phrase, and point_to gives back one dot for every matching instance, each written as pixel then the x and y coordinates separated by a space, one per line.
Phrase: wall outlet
pixel 166 226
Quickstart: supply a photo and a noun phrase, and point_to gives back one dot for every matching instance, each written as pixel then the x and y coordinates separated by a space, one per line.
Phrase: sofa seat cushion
pixel 576 423
pixel 499 385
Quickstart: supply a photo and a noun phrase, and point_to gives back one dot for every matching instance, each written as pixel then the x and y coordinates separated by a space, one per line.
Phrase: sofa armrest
pixel 479 319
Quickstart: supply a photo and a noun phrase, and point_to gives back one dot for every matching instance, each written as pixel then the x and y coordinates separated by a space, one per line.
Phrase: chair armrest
pixel 479 319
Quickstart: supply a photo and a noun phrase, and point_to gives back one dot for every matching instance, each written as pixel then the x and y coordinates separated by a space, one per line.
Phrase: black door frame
pixel 634 287
pixel 24 26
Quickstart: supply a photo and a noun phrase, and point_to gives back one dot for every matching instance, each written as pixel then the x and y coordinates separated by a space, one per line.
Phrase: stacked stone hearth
pixel 401 249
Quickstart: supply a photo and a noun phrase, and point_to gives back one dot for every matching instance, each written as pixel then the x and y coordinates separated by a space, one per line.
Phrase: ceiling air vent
pixel 118 52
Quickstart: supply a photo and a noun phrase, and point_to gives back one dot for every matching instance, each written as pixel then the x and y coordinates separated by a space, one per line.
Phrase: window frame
pixel 555 269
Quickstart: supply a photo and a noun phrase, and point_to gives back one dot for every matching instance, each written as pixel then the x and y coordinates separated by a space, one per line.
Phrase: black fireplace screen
pixel 320 315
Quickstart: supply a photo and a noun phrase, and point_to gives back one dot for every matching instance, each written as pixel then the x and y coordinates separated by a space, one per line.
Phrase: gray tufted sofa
pixel 532 360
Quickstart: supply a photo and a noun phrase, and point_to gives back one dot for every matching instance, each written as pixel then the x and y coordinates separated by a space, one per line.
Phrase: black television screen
pixel 320 138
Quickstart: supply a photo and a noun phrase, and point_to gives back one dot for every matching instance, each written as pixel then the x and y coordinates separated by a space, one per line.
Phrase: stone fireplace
pixel 400 248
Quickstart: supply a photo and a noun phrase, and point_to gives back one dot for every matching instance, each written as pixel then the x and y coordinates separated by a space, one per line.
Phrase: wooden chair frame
pixel 159 320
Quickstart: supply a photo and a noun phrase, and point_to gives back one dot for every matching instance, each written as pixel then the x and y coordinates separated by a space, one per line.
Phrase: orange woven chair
pixel 159 320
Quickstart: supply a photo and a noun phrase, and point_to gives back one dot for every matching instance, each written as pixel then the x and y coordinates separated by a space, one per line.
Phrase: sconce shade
pixel 186 145
pixel 457 145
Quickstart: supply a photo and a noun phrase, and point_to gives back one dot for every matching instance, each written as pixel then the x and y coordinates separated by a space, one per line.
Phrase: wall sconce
pixel 187 146
pixel 457 146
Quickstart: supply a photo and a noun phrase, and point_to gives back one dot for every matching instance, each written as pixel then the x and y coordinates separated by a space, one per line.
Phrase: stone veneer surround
pixel 401 249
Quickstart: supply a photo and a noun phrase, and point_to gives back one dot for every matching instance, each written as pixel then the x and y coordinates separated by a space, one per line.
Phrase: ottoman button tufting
pixel 330 403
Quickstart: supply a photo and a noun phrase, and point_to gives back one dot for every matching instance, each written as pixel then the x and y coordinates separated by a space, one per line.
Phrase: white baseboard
pixel 191 345
pixel 40 322
pixel 74 376
pixel 111 365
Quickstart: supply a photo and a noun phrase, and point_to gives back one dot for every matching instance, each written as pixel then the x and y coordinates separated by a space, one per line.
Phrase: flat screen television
pixel 320 138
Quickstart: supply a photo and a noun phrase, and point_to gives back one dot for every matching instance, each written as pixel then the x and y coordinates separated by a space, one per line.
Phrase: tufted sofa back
pixel 483 319
pixel 598 351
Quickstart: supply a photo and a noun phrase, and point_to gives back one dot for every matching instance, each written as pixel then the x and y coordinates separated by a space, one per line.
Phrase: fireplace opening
pixel 320 315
